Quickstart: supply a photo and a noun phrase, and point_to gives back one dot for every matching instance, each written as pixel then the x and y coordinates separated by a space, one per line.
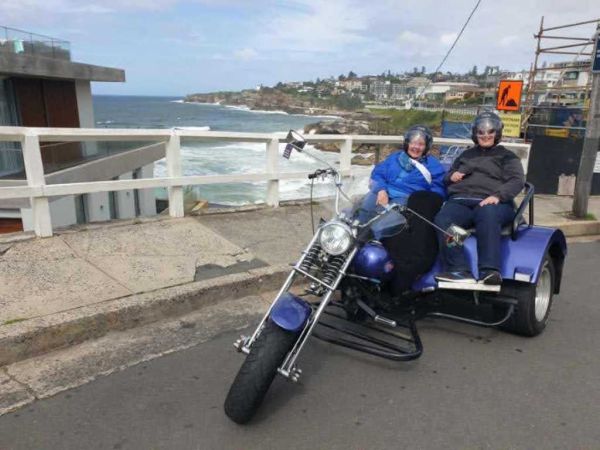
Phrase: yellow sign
pixel 509 95
pixel 557 132
pixel 512 124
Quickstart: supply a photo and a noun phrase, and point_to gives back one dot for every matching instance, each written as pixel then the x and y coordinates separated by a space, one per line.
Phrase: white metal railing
pixel 38 191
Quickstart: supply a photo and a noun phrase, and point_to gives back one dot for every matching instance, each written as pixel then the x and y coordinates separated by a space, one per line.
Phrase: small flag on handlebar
pixel 288 151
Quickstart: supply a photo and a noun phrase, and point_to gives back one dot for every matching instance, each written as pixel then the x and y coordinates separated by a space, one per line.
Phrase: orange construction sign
pixel 509 95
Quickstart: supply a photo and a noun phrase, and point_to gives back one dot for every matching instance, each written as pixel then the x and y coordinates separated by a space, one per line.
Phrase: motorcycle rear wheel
pixel 258 371
pixel 534 301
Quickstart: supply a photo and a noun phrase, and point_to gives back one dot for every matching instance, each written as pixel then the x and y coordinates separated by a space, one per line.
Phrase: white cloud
pixel 508 40
pixel 314 26
pixel 245 54
pixel 448 38
pixel 408 37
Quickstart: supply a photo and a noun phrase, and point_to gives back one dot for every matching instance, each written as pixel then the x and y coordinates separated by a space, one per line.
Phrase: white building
pixel 380 89
pixel 41 87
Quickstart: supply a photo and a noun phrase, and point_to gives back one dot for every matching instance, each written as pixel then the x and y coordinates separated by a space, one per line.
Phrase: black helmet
pixel 418 131
pixel 487 120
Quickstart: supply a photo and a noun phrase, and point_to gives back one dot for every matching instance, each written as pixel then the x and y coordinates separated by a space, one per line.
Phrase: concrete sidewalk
pixel 83 283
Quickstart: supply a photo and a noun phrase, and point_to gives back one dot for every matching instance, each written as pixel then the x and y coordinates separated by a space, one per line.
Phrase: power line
pixel 457 37
pixel 422 90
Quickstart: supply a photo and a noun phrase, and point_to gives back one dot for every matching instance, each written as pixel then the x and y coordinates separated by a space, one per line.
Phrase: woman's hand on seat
pixel 491 200
pixel 456 176
pixel 382 198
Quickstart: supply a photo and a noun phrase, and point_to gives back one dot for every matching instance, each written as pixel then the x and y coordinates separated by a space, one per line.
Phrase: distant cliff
pixel 264 100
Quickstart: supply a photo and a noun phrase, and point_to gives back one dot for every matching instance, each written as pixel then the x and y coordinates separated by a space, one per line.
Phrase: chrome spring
pixel 332 268
pixel 312 256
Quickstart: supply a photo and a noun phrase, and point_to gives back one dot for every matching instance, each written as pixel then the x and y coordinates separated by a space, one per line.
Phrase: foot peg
pixel 241 343
pixel 376 317
pixel 385 321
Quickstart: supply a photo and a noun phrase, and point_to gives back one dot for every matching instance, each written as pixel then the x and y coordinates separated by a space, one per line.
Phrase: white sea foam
pixel 178 101
pixel 264 111
pixel 238 107
pixel 206 128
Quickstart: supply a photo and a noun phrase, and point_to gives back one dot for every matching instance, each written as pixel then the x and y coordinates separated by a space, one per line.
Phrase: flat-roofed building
pixel 40 86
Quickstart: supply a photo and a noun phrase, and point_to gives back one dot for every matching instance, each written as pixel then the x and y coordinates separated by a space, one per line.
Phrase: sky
pixel 171 47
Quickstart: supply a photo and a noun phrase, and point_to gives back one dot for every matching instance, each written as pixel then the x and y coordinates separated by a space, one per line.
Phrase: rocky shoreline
pixel 348 122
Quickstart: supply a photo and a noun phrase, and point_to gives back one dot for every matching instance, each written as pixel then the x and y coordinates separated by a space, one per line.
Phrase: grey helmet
pixel 487 120
pixel 421 131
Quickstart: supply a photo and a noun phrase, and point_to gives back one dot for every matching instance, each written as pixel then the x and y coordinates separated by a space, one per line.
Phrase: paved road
pixel 473 388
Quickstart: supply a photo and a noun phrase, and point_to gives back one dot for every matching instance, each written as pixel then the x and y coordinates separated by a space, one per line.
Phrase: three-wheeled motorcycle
pixel 344 275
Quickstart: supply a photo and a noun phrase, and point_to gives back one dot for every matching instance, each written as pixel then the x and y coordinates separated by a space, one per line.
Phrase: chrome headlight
pixel 336 238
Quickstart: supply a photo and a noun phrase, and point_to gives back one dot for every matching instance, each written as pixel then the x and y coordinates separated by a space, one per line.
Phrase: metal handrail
pixel 61 41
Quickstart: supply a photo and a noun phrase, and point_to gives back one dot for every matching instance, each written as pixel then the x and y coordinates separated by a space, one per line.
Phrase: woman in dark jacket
pixel 481 184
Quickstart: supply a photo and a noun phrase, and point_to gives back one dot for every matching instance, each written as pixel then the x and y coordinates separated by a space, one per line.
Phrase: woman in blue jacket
pixel 403 173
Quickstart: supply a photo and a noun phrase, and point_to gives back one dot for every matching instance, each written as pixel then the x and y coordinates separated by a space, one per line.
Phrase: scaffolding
pixel 558 92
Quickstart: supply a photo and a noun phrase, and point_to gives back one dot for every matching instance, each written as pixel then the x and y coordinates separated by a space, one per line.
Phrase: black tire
pixel 525 321
pixel 257 373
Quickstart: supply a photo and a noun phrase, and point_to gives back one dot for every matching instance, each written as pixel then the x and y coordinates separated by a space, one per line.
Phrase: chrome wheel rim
pixel 543 292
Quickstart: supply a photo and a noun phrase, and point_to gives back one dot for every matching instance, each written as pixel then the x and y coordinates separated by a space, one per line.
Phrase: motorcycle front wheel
pixel 258 371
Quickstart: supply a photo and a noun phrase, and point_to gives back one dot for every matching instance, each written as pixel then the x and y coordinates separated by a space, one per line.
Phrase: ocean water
pixel 214 158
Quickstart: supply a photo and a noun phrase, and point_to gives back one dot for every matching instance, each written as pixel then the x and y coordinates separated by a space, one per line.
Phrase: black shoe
pixel 491 277
pixel 456 277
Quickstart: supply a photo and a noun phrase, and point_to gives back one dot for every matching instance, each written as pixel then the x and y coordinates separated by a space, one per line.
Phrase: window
pixel 11 156
pixel 573 75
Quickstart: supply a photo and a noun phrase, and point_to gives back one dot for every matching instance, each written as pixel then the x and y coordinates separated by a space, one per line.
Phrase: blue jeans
pixel 368 209
pixel 488 221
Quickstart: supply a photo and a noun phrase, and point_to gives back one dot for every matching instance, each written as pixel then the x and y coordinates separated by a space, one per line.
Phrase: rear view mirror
pixel 294 141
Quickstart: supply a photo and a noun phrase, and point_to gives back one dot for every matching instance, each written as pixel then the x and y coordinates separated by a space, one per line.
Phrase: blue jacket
pixel 401 180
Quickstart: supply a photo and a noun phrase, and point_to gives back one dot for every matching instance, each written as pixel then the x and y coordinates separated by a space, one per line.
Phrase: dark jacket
pixel 493 171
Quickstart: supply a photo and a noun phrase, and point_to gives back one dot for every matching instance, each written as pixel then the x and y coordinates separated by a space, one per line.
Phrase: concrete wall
pixel 62 213
pixel 85 107
pixel 146 197
pixel 125 200
pixel 97 207
pixel 34 66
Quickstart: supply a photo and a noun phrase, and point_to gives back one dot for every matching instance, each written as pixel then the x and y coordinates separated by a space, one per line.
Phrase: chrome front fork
pixel 288 368
pixel 244 343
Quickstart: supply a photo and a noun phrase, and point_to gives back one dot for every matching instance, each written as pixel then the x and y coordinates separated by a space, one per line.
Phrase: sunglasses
pixel 486 132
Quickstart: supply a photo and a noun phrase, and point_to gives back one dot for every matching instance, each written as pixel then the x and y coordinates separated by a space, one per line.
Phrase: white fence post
pixel 173 155
pixel 346 157
pixel 273 171
pixel 34 169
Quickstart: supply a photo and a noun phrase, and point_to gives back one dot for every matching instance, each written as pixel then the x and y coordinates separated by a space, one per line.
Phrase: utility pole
pixel 591 143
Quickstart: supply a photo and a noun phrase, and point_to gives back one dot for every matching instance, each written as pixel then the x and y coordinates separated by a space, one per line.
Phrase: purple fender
pixel 290 312
pixel 521 257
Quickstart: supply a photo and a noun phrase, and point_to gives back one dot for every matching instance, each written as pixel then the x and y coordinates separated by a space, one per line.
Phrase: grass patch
pixel 11 321
pixel 397 121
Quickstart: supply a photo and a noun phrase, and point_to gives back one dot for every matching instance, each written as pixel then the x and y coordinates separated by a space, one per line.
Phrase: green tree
pixel 351 75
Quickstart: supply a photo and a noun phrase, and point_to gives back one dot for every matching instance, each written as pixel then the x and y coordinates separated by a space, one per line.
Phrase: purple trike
pixel 343 277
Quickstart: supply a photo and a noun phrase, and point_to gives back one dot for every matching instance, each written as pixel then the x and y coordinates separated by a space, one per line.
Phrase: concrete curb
pixel 577 228
pixel 36 336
